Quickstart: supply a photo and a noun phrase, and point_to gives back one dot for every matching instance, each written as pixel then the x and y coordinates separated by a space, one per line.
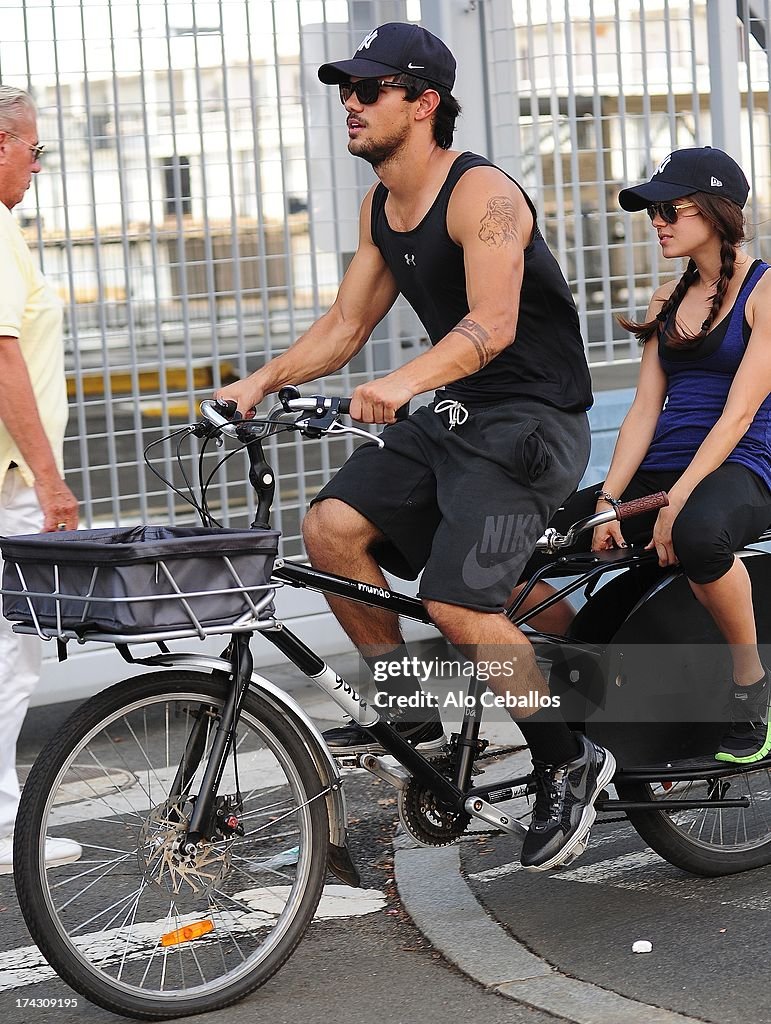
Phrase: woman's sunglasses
pixel 667 211
pixel 367 90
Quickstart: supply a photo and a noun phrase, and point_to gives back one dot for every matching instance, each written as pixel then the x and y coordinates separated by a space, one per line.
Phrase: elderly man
pixel 33 415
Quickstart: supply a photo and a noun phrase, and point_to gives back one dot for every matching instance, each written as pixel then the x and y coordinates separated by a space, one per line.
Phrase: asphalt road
pixel 711 937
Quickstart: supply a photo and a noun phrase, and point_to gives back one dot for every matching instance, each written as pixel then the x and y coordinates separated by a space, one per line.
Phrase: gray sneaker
pixel 564 812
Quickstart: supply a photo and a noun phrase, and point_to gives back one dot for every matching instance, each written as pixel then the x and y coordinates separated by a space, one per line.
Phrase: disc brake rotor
pixel 169 862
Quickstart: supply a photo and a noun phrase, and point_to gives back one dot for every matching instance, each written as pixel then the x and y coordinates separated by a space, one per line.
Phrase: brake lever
pixel 312 428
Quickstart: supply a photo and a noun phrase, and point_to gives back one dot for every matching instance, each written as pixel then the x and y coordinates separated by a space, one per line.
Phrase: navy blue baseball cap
pixel 701 169
pixel 395 48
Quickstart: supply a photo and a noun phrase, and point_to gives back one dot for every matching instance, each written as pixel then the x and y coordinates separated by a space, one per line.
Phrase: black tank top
pixel 545 361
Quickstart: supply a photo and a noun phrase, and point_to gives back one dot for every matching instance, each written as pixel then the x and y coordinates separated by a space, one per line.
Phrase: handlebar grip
pixel 650 502
pixel 401 413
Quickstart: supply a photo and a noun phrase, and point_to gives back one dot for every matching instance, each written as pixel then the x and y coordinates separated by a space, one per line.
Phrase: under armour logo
pixel 409 259
pixel 715 182
pixel 662 165
pixel 367 40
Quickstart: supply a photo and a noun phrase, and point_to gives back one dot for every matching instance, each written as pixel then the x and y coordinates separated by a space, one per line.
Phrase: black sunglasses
pixel 367 90
pixel 667 211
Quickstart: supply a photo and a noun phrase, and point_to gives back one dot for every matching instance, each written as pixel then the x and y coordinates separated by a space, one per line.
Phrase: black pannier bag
pixel 138 579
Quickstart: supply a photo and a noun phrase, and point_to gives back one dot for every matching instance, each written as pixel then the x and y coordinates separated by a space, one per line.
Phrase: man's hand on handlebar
pixel 246 393
pixel 379 400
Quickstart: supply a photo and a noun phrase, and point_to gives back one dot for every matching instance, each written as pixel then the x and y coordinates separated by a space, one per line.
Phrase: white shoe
pixel 58 851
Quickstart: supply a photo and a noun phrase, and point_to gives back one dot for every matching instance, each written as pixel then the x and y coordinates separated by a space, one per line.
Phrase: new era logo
pixel 662 165
pixel 715 182
pixel 367 41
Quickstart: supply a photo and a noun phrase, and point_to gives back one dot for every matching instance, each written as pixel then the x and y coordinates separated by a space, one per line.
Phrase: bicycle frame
pixel 478 800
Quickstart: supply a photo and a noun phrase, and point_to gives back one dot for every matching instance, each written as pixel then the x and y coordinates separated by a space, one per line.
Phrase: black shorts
pixel 465 505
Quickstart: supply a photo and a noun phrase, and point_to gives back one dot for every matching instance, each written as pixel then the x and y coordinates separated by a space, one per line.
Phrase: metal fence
pixel 197 205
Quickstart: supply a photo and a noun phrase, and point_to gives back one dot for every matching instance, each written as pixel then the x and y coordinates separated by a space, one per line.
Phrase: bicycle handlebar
pixel 323 419
pixel 553 541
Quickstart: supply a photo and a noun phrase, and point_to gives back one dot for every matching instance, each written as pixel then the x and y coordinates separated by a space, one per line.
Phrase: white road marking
pixel 642 871
pixel 25 965
pixel 513 866
pixel 135 793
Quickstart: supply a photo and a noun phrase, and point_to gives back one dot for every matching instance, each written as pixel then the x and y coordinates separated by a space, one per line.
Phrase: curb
pixel 452 919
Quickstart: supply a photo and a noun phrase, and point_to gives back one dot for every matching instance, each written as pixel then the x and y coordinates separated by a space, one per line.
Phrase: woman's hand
pixel 661 541
pixel 607 537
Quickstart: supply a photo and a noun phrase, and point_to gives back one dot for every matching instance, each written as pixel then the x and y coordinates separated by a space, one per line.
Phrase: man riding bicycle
pixel 464 487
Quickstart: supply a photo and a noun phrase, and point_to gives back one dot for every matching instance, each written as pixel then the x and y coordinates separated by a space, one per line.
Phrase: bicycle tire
pixel 132 836
pixel 706 841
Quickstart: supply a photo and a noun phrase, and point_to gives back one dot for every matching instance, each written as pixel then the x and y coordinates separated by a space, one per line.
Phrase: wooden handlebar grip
pixel 649 503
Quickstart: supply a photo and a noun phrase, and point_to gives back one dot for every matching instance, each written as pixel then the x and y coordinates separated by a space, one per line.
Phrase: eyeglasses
pixel 667 211
pixel 367 90
pixel 36 150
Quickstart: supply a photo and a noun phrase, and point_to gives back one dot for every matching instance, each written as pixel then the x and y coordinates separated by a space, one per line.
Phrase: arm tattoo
pixel 499 224
pixel 478 337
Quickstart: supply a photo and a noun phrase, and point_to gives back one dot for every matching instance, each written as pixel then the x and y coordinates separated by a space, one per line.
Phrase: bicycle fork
pixel 241 668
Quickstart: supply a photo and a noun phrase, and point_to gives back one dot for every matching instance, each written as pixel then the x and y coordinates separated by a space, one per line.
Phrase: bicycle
pixel 205 799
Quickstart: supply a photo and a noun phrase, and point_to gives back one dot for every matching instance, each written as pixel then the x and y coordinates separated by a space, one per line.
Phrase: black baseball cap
pixel 393 48
pixel 701 169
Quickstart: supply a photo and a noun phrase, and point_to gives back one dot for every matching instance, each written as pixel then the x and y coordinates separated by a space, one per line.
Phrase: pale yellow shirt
pixel 31 311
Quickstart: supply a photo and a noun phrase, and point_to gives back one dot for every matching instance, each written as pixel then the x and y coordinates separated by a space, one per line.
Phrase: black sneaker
pixel 748 738
pixel 428 736
pixel 564 807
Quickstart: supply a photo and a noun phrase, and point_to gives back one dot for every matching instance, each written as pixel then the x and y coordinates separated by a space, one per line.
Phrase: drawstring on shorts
pixel 457 413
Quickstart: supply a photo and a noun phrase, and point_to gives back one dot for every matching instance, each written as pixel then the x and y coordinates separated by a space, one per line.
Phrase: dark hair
pixel 446 113
pixel 728 220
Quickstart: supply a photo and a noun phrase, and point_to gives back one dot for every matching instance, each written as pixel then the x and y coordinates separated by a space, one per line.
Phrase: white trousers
pixel 20 656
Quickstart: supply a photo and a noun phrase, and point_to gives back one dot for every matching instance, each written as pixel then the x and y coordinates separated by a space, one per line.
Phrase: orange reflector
pixel 190 931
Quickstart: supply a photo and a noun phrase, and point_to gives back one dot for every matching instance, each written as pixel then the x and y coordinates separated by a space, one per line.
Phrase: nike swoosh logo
pixel 479 577
pixel 417 67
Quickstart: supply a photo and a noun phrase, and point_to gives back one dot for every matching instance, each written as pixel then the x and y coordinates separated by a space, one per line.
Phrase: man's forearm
pixel 324 348
pixel 466 349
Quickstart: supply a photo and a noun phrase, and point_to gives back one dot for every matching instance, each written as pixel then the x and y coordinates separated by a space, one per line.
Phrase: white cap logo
pixel 662 165
pixel 715 182
pixel 367 40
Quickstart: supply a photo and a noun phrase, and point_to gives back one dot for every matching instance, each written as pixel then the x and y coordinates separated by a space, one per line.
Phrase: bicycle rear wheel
pixel 140 925
pixel 708 841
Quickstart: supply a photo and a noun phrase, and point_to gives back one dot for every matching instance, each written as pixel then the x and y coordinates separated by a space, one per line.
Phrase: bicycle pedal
pixel 347 762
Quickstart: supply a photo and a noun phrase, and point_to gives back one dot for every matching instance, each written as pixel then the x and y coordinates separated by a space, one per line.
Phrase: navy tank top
pixel 546 359
pixel 698 382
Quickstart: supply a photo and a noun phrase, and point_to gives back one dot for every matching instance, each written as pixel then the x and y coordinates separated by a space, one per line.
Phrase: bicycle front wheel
pixel 143 924
pixel 708 841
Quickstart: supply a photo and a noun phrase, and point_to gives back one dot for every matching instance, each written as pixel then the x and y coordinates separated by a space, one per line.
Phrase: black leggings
pixel 727 510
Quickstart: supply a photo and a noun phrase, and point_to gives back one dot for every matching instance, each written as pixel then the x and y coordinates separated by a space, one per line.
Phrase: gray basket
pixel 145 579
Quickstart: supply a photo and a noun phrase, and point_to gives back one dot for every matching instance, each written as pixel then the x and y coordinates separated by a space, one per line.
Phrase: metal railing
pixel 197 206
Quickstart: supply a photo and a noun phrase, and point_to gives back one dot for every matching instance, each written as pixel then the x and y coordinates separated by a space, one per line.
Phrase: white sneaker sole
pixel 7 869
pixel 428 748
pixel 578 842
